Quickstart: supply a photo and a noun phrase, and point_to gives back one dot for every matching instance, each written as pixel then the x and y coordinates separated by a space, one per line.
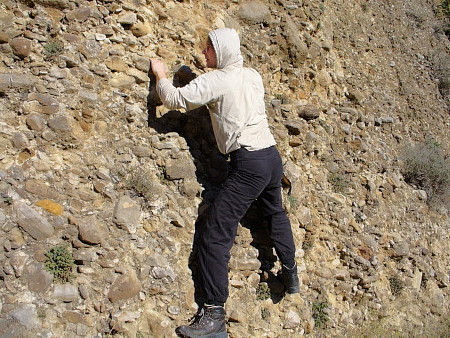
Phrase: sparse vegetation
pixel 338 182
pixel 53 48
pixel 396 285
pixel 283 98
pixel 265 313
pixel 445 7
pixel 60 263
pixel 320 315
pixel 426 166
pixel 307 245
pixel 293 202
pixel 262 291
pixel 140 181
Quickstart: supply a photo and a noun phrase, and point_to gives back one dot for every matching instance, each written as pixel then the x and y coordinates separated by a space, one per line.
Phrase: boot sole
pixel 293 290
pixel 211 335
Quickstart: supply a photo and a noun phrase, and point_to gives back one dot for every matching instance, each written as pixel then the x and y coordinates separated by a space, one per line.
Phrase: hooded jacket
pixel 233 94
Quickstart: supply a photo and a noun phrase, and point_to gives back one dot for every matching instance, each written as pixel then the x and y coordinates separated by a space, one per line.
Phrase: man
pixel 234 96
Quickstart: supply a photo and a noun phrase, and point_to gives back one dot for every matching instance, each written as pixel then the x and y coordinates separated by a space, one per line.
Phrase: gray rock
pixel 66 292
pixel 294 127
pixel 20 141
pixel 308 112
pixel 158 272
pixel 87 95
pixel 401 249
pixel 39 280
pixel 157 260
pixel 2 217
pixel 18 261
pixel 32 222
pixel 127 18
pixel 254 12
pixel 60 123
pixel 60 4
pixel 80 14
pixel 41 189
pixel 292 320
pixel 85 256
pixel 124 287
pixel 59 73
pixel 242 264
pixel 122 81
pixel 92 231
pixel 142 151
pixel 84 291
pixel 36 122
pixel 91 49
pixel 26 315
pixel 179 169
pixel 16 81
pixel 127 214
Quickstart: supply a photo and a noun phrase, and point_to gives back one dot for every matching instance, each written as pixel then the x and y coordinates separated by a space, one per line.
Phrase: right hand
pixel 158 68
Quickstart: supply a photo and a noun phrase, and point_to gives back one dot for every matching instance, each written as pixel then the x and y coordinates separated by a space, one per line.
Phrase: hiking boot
pixel 209 322
pixel 290 279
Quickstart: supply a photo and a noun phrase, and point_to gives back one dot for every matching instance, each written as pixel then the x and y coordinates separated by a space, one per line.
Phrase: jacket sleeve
pixel 195 94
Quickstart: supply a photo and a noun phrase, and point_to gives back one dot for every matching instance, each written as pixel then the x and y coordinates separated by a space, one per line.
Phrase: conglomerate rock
pixel 90 161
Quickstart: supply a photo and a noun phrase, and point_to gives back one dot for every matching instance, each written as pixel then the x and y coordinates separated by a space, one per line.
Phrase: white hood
pixel 227 45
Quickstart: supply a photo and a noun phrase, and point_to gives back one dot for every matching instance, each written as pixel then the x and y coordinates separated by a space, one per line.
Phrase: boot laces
pixel 200 318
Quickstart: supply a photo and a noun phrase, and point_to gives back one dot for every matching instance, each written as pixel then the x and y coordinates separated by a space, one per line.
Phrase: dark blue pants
pixel 254 175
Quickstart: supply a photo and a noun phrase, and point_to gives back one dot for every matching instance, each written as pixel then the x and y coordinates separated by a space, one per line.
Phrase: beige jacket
pixel 233 94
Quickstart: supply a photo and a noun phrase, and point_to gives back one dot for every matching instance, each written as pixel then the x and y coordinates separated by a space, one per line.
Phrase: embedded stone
pixel 32 222
pixel 179 169
pixel 20 141
pixel 39 279
pixel 254 12
pixel 66 292
pixel 124 287
pixel 60 123
pixel 92 231
pixel 127 214
pixel 36 122
pixel 21 47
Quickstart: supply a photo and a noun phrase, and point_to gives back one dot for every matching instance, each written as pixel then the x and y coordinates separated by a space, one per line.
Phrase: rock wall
pixel 89 160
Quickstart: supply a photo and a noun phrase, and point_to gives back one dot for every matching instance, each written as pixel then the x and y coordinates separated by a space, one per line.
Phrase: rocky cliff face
pixel 89 161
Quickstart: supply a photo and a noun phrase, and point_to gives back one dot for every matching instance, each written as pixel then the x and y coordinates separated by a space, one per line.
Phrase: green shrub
pixel 396 285
pixel 426 166
pixel 445 7
pixel 60 263
pixel 265 314
pixel 293 202
pixel 53 48
pixel 262 291
pixel 283 98
pixel 320 315
pixel 338 182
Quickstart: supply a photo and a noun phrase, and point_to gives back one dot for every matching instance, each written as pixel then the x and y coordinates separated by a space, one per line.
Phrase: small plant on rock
pixel 60 263
pixel 282 98
pixel 265 314
pixel 396 286
pixel 293 202
pixel 53 48
pixel 320 315
pixel 338 182
pixel 262 291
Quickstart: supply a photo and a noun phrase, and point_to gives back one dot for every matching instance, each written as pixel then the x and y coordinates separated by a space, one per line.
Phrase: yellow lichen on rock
pixel 52 207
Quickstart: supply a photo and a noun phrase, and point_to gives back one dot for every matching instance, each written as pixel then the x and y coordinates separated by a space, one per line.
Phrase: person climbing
pixel 234 96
